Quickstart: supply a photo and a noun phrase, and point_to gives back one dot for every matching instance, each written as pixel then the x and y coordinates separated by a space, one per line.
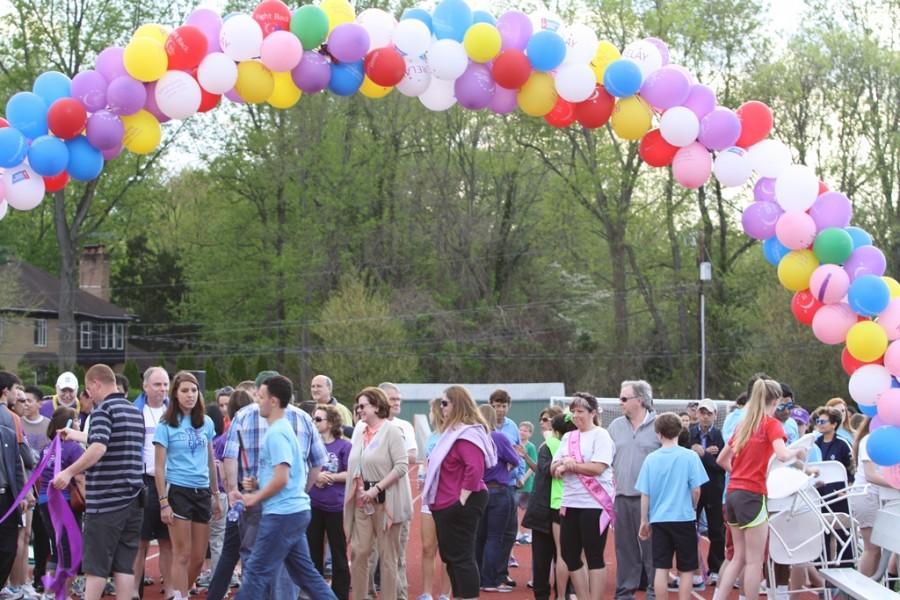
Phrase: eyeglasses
pixel 784 406
pixel 361 406
pixel 445 403
pixel 545 419
pixel 627 398
pixel 225 391
pixel 21 400
pixel 822 421
pixel 319 419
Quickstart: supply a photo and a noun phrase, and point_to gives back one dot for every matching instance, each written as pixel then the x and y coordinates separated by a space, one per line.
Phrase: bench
pixel 885 533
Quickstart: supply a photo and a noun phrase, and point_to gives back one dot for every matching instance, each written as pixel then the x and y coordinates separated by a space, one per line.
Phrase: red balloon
pixel 66 118
pixel 272 15
pixel 56 183
pixel 656 151
pixel 186 48
pixel 756 123
pixel 3 123
pixel 385 66
pixel 805 306
pixel 511 69
pixel 562 115
pixel 823 187
pixel 851 364
pixel 596 110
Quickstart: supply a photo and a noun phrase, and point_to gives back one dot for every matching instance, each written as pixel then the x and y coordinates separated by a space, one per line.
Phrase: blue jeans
pixel 281 541
pixel 279 585
pixel 489 553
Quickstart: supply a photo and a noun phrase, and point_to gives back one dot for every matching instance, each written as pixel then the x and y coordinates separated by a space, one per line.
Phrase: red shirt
pixel 749 466
pixel 461 469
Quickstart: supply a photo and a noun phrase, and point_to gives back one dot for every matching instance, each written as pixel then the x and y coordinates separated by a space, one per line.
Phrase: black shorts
pixel 579 533
pixel 111 540
pixel 678 538
pixel 745 509
pixel 152 527
pixel 190 504
pixel 554 515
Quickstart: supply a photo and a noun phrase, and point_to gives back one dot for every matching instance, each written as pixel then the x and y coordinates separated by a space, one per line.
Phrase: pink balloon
pixel 796 230
pixel 889 406
pixel 892 474
pixel 832 322
pixel 892 358
pixel 889 319
pixel 876 423
pixel 281 51
pixel 692 165
pixel 829 284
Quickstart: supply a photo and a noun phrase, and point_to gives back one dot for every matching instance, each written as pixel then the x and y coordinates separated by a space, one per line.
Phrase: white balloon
pixel 23 187
pixel 542 20
pixel 178 95
pixel 447 59
pixel 576 82
pixel 380 26
pixel 732 167
pixel 4 208
pixel 645 54
pixel 581 43
pixel 868 383
pixel 418 76
pixel 770 158
pixel 217 73
pixel 797 188
pixel 679 126
pixel 241 37
pixel 412 37
pixel 439 96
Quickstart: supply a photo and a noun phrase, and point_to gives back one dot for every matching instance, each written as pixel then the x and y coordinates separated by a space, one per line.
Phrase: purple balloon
pixel 89 87
pixel 666 87
pixel 105 130
pixel 515 30
pixel 701 100
pixel 831 209
pixel 475 87
pixel 504 100
pixel 150 105
pixel 759 219
pixel 865 260
pixel 764 190
pixel 348 42
pixel 110 64
pixel 312 74
pixel 114 152
pixel 720 129
pixel 126 95
pixel 210 23
pixel 663 49
pixel 234 96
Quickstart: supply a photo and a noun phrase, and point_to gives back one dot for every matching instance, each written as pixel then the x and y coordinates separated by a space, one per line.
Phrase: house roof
pixel 38 292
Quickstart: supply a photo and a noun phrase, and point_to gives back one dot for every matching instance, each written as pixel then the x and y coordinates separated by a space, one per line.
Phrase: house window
pixel 40 332
pixel 105 333
pixel 86 339
pixel 118 336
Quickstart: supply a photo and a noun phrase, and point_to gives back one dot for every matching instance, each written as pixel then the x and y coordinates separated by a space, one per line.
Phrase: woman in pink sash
pixel 584 464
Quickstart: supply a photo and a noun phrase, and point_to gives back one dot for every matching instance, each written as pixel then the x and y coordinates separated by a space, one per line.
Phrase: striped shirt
pixel 117 478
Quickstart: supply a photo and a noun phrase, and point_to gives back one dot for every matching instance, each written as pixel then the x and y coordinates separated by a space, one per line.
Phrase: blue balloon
pixel 51 86
pixel 482 16
pixel 774 251
pixel 895 383
pixel 27 112
pixel 869 411
pixel 13 147
pixel 860 237
pixel 451 19
pixel 420 14
pixel 346 78
pixel 622 78
pixel 869 295
pixel 884 445
pixel 546 50
pixel 85 161
pixel 48 156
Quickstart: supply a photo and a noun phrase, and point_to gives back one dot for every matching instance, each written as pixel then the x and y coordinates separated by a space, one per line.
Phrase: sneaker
pixel 204 579
pixel 699 583
pixel 12 592
pixel 510 582
pixel 674 583
pixel 523 538
pixel 109 589
pixel 424 597
pixel 513 563
pixel 443 597
pixel 148 580
pixel 235 580
pixel 713 579
pixel 530 584
pixel 78 586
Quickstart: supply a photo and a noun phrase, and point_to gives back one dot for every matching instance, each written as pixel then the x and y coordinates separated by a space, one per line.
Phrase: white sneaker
pixel 782 593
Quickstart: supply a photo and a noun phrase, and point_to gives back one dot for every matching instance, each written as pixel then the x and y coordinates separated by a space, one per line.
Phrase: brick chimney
pixel 93 271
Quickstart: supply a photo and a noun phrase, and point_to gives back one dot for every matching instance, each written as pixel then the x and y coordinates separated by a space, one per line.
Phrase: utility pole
pixel 705 275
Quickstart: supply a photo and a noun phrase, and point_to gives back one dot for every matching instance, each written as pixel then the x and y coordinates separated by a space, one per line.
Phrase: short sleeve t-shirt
pixel 280 446
pixel 187 451
pixel 409 434
pixel 791 431
pixel 531 451
pixel 749 466
pixel 668 476
pixel 596 447
pixel 556 485
pixel 863 453
pixel 331 498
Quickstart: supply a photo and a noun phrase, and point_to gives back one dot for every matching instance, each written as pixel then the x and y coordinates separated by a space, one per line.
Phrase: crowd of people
pixel 264 493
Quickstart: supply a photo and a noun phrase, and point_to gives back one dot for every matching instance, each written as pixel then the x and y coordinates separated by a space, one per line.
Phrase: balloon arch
pixel 67 128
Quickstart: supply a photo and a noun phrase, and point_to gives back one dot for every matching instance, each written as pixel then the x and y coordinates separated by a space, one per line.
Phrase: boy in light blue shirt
pixel 669 483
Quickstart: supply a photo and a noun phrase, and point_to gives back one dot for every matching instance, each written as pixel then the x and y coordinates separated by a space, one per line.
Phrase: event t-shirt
pixel 331 498
pixel 668 476
pixel 117 478
pixel 556 485
pixel 152 418
pixel 187 451
pixel 596 447
pixel 531 451
pixel 70 452
pixel 36 433
pixel 749 466
pixel 280 446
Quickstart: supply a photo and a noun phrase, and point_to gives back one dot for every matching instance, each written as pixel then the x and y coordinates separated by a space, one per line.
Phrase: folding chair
pixel 841 525
pixel 796 537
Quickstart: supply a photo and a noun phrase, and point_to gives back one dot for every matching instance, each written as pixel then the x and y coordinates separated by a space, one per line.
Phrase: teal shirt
pixel 280 446
pixel 531 451
pixel 668 477
pixel 187 451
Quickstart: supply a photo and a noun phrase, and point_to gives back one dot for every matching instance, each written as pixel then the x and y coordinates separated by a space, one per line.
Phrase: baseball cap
pixel 263 375
pixel 707 405
pixel 67 380
pixel 800 414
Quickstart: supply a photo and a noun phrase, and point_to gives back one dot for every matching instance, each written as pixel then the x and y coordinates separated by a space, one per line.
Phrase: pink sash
pixel 608 516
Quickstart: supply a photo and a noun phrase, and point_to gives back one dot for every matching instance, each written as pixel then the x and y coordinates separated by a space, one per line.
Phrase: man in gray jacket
pixel 635 438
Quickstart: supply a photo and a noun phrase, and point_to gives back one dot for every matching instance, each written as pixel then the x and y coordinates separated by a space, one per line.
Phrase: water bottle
pixel 234 513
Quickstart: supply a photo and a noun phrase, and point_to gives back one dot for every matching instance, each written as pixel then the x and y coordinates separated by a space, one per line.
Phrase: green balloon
pixel 833 246
pixel 310 24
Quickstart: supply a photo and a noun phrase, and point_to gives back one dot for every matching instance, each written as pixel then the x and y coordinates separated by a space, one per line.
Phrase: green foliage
pixel 51 374
pixel 213 377
pixel 186 362
pixel 79 371
pixel 133 373
pixel 26 372
pixel 239 371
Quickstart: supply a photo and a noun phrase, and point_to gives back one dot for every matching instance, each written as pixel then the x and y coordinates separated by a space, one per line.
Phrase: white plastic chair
pixel 796 537
pixel 842 525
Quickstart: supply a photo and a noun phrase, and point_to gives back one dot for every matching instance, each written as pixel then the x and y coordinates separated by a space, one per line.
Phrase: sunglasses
pixel 822 421
pixel 319 419
pixel 445 403
pixel 784 407
pixel 545 419
pixel 361 406
pixel 627 398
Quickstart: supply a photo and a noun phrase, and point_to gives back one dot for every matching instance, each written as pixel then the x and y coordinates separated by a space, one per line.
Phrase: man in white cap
pixel 66 395
pixel 707 442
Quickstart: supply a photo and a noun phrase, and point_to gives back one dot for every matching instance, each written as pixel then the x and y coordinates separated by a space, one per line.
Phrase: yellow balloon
pixel 631 118
pixel 338 11
pixel 867 341
pixel 893 286
pixel 795 269
pixel 142 132
pixel 606 53
pixel 482 42
pixel 285 93
pixel 538 96
pixel 370 89
pixel 153 31
pixel 145 59
pixel 255 82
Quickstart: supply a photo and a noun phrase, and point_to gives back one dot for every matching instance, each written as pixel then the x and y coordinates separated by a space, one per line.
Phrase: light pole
pixel 705 275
